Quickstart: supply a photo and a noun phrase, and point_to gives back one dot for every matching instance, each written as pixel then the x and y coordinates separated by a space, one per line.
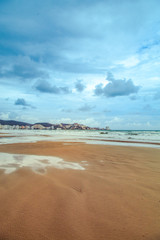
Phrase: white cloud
pixel 4 116
pixel 91 122
pixel 156 79
pixel 129 62
pixel 27 118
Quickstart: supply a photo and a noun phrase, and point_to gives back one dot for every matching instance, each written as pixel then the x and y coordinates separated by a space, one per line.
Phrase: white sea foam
pixel 92 137
pixel 39 164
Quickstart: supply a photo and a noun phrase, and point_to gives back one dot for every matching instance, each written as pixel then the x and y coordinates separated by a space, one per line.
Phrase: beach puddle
pixel 39 164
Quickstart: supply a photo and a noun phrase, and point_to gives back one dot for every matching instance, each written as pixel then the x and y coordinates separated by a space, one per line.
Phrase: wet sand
pixel 116 197
pixel 129 141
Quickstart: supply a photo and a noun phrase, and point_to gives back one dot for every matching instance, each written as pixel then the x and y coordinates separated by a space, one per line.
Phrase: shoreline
pixel 95 141
pixel 124 141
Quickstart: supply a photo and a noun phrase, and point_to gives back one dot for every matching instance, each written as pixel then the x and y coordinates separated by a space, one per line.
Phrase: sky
pixel 95 62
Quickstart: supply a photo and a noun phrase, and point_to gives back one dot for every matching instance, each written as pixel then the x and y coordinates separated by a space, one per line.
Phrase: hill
pixel 12 123
pixel 45 124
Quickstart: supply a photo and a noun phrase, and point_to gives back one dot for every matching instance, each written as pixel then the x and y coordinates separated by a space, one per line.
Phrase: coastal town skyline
pixel 95 63
pixel 16 125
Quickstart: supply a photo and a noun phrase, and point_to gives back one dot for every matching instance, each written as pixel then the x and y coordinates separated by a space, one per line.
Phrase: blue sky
pixel 92 62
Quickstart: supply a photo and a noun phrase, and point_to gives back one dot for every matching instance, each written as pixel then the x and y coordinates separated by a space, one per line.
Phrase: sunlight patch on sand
pixel 39 164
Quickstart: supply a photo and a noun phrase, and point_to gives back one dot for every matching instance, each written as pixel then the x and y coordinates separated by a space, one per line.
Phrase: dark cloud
pixel 45 87
pixel 99 89
pixel 65 90
pixel 86 108
pixel 79 86
pixel 22 102
pixel 49 30
pixel 114 88
pixel 26 72
pixel 24 69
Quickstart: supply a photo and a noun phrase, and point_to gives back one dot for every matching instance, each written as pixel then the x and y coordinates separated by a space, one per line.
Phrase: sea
pixel 140 138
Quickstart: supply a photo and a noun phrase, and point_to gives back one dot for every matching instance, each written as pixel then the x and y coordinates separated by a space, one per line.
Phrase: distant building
pixel 38 126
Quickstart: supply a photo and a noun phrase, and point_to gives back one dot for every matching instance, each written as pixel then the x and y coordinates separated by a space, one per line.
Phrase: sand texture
pixel 116 197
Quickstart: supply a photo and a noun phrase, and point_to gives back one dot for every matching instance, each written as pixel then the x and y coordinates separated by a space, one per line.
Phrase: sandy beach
pixel 116 197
